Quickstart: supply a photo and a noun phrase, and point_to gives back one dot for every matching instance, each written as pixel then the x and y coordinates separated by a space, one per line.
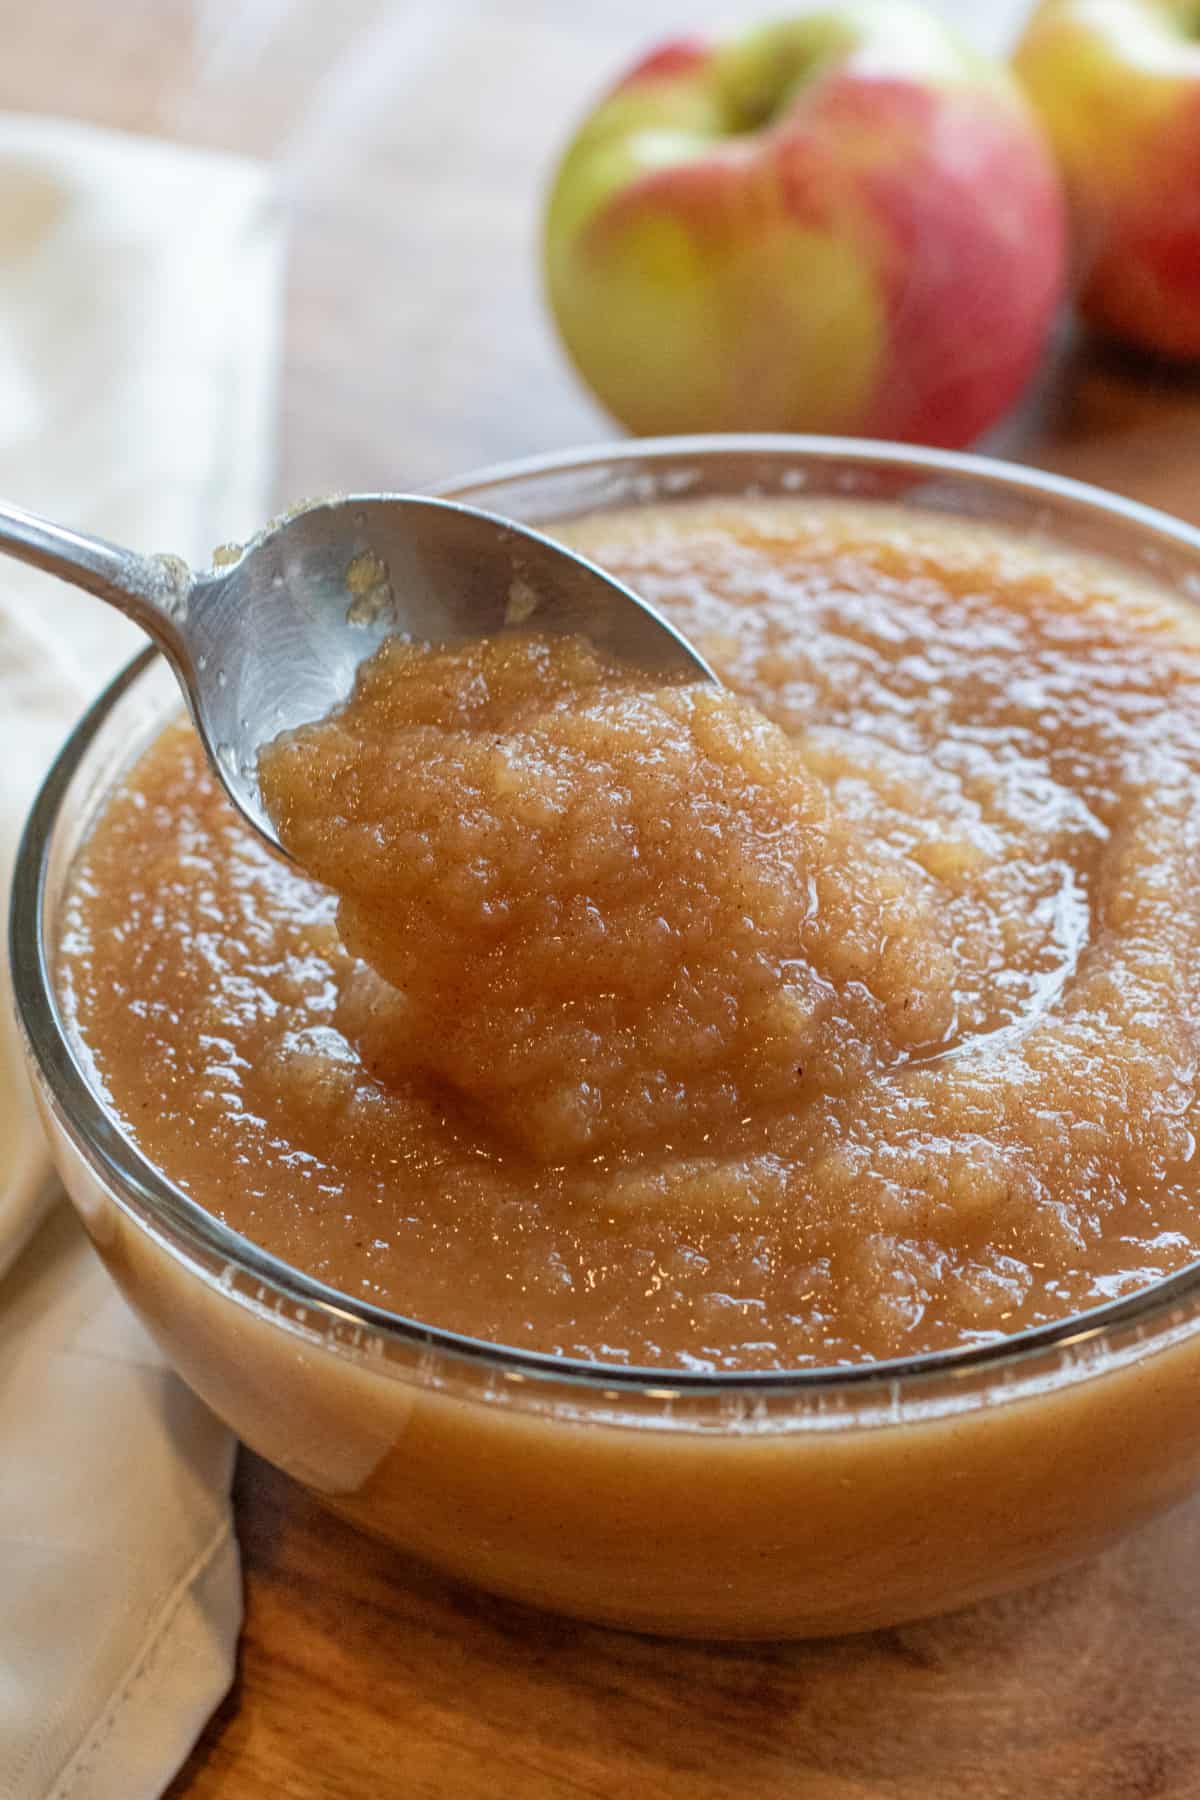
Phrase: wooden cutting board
pixel 363 1675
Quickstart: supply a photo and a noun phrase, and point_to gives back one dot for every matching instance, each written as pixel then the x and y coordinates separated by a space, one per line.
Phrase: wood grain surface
pixel 412 142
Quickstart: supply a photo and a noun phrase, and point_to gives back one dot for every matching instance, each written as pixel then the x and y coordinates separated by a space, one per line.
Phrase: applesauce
pixel 846 1013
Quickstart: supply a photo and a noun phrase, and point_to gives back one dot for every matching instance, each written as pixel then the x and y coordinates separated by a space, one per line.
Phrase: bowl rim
pixel 159 1203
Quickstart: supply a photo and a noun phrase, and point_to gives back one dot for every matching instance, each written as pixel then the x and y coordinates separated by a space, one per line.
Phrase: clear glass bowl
pixel 770 1505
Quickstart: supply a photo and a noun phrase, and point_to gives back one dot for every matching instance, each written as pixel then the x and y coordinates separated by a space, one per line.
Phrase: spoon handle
pixel 151 590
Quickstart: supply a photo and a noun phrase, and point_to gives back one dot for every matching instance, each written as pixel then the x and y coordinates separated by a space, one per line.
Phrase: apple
pixel 1117 84
pixel 845 222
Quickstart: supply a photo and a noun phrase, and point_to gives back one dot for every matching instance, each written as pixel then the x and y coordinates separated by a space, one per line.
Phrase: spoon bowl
pixel 272 636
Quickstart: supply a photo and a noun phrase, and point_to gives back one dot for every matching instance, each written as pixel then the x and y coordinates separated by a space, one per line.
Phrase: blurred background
pixel 414 142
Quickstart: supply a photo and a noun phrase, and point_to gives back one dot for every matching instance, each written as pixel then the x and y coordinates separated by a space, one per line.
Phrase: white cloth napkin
pixel 139 308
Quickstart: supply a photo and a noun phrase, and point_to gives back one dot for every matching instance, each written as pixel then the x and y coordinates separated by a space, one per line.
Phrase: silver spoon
pixel 272 636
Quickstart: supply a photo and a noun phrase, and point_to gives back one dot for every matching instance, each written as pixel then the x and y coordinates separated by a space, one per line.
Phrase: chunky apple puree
pixel 848 1012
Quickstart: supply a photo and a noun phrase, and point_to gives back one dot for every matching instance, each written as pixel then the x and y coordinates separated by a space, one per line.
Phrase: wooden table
pixel 411 141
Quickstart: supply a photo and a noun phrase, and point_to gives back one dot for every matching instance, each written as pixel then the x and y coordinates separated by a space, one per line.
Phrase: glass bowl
pixel 779 1504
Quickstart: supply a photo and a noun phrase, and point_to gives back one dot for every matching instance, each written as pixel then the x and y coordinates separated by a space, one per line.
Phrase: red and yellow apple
pixel 1117 84
pixel 844 222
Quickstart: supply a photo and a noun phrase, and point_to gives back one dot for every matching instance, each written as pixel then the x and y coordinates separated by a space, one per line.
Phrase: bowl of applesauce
pixel 712 1161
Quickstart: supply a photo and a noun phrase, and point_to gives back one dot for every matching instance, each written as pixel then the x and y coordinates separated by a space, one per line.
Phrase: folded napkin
pixel 139 306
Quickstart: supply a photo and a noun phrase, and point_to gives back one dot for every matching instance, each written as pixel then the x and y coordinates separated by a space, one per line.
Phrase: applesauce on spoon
pixel 846 1014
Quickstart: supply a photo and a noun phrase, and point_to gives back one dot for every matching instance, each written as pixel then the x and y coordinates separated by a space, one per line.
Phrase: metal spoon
pixel 271 637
